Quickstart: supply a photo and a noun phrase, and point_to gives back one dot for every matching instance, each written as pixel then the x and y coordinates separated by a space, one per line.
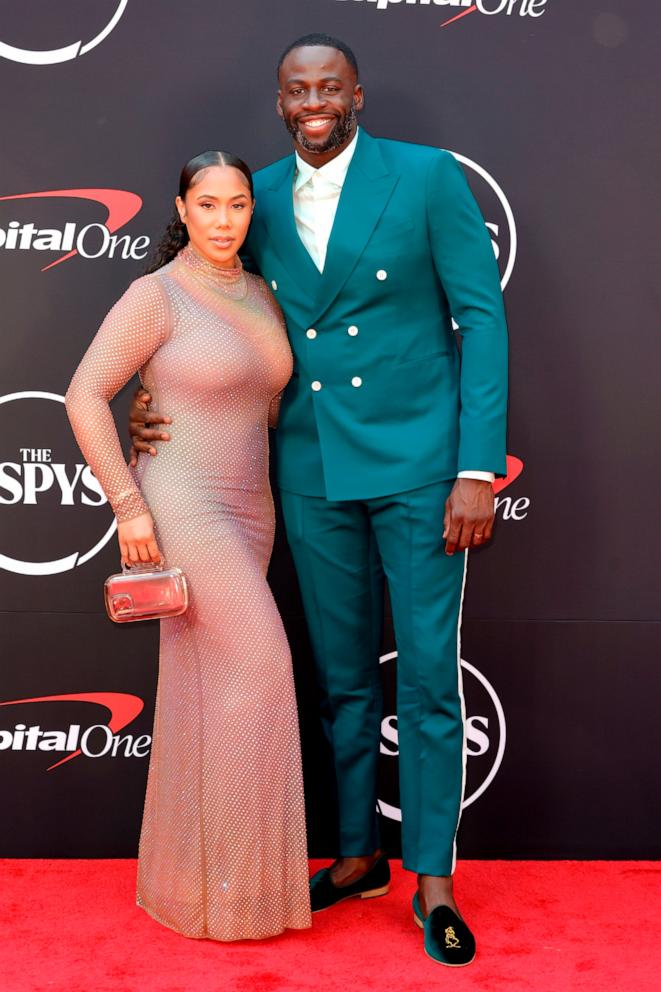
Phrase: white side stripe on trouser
pixel 460 687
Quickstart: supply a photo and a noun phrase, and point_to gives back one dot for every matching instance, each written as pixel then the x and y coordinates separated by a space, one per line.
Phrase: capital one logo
pixel 92 240
pixel 54 512
pixel 99 740
pixel 508 8
pixel 490 8
pixel 72 51
pixel 509 507
pixel 485 736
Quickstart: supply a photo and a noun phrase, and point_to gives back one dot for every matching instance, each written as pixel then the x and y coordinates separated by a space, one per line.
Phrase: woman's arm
pixel 133 330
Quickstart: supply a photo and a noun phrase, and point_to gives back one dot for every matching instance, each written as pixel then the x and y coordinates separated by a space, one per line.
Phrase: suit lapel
pixel 366 191
pixel 281 226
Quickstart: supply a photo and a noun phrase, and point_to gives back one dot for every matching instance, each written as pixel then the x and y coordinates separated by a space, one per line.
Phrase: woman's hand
pixel 137 541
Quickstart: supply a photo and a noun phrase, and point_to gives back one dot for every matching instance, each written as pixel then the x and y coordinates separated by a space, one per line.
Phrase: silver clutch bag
pixel 145 592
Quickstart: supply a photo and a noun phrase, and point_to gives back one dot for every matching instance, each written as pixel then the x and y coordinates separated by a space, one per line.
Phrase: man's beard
pixel 338 136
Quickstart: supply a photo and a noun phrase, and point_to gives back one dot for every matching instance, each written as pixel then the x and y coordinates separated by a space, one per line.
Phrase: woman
pixel 223 847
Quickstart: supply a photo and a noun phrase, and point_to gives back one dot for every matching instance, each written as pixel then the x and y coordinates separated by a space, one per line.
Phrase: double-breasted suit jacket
pixel 381 401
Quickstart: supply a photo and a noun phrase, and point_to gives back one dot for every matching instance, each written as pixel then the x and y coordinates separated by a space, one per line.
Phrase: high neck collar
pixel 207 270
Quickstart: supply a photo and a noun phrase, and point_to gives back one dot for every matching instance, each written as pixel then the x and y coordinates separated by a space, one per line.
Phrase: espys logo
pixel 50 499
pixel 92 240
pixel 33 57
pixel 490 8
pixel 99 740
pixel 499 216
pixel 485 736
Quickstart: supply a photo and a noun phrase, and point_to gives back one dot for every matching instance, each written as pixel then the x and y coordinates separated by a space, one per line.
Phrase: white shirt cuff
pixel 482 476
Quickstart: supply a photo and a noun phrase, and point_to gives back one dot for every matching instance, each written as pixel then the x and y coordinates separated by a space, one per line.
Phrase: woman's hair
pixel 176 235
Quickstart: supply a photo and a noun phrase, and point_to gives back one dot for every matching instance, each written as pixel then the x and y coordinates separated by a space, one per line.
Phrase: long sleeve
pixel 467 268
pixel 133 330
pixel 480 476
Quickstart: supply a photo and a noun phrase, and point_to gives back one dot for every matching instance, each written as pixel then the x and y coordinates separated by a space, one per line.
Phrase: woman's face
pixel 216 211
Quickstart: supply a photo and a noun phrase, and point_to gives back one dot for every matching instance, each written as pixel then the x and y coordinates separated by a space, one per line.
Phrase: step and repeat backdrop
pixel 548 106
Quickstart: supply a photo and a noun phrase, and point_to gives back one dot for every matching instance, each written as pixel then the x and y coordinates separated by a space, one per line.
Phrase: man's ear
pixel 358 97
pixel 278 106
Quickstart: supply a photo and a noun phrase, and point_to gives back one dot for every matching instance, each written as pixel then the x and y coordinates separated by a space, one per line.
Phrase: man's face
pixel 318 100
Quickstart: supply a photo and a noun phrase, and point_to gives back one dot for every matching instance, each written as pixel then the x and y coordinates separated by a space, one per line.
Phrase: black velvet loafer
pixel 447 938
pixel 375 882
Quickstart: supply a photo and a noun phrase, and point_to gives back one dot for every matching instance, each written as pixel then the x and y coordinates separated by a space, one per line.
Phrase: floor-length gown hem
pixel 223 940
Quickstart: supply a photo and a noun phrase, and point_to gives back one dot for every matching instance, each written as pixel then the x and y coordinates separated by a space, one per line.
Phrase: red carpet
pixel 72 926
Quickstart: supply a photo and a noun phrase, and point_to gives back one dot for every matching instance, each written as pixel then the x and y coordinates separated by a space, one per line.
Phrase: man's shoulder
pixel 409 152
pixel 421 165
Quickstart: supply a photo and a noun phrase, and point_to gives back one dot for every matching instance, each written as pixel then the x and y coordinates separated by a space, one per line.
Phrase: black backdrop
pixel 550 105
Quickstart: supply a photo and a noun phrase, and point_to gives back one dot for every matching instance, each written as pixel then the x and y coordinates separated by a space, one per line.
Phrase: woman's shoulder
pixel 263 292
pixel 146 297
pixel 151 285
pixel 259 285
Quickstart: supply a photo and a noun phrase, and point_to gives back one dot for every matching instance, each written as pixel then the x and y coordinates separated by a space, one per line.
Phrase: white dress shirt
pixel 316 196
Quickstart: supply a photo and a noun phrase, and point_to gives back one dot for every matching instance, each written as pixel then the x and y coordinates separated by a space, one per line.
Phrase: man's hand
pixel 141 434
pixel 469 514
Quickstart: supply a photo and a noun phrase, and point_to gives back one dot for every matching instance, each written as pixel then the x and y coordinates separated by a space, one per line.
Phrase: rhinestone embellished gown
pixel 223 845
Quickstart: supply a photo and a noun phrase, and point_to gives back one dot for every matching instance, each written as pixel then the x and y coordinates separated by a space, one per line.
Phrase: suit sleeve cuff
pixel 482 476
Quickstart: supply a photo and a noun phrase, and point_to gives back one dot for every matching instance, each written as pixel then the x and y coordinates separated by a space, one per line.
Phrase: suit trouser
pixel 338 548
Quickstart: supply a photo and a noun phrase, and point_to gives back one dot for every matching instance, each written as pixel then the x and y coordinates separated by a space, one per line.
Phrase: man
pixel 387 445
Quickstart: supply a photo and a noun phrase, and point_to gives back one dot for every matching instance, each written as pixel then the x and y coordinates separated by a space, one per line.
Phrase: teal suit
pixel 379 416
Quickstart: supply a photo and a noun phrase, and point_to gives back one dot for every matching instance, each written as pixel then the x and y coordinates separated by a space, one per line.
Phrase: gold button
pixel 353 330
pixel 316 385
pixel 356 381
pixel 311 333
pixel 381 275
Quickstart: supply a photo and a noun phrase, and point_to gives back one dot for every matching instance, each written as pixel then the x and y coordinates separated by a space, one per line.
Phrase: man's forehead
pixel 317 59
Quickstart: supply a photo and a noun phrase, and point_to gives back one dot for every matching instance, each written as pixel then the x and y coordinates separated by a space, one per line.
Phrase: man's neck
pixel 319 159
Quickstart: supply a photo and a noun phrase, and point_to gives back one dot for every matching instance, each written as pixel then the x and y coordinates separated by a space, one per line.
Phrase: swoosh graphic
pixel 458 17
pixel 121 205
pixel 123 708
pixel 514 470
